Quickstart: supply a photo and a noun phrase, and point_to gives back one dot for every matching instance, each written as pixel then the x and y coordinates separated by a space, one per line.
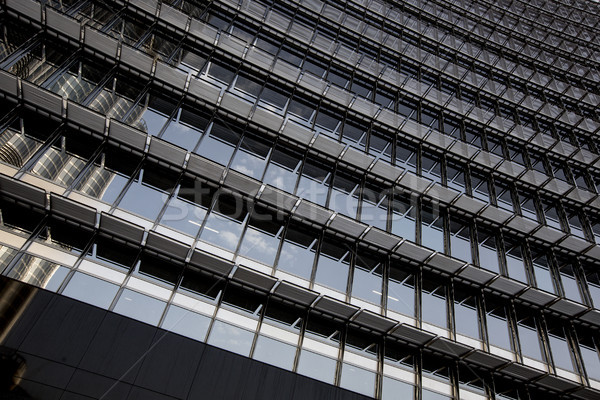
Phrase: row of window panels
pixel 70 85
pixel 407 69
pixel 122 29
pixel 331 122
pixel 507 327
pixel 572 9
pixel 513 22
pixel 558 20
pixel 158 45
pixel 412 17
pixel 559 17
pixel 356 24
pixel 184 127
pixel 546 29
pixel 393 43
pixel 183 204
pixel 308 344
pixel 78 81
pixel 73 161
pixel 66 159
pixel 389 11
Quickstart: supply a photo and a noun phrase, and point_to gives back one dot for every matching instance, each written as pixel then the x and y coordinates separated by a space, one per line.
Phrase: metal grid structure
pixel 398 199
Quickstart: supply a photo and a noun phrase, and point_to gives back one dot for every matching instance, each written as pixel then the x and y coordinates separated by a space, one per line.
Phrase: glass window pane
pixel 91 290
pixel 499 333
pixel 374 210
pixel 282 169
pixel 186 323
pixel 561 354
pixel 274 352
pixel 39 272
pixel 543 276
pixel 317 366
pixel 591 359
pixel 432 228
pixel 139 306
pixel 431 167
pixel 219 144
pixel 225 222
pixel 232 338
pixel 466 320
pixel 152 185
pixel 186 211
pixel 433 304
pixel 358 379
pixel 262 237
pixel 314 183
pixel 333 265
pixel 207 286
pixel 106 178
pixel 367 279
pixel 298 251
pixel 529 339
pixel 404 218
pixel 406 157
pixel 488 257
pixel 570 284
pixel 460 240
pixel 515 263
pixel 186 128
pixel 393 389
pixel 401 292
pixel 593 280
pixel 152 115
pixel 251 157
pixel 344 195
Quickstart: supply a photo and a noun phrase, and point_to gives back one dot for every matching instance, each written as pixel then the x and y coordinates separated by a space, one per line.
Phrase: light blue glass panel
pixel 230 337
pixel 274 352
pixel 139 306
pixel 91 290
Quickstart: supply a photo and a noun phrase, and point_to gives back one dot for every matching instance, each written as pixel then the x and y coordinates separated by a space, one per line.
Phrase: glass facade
pixel 391 199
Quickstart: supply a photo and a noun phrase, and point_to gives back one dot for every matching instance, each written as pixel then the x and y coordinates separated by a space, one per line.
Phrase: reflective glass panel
pixel 139 306
pixel 358 379
pixel 149 191
pixel 314 182
pixel 91 290
pixel 187 209
pixel 531 345
pixel 186 323
pixel 225 222
pixel 466 320
pixel 283 169
pixel 219 144
pixel 186 128
pixel 230 337
pixel 432 228
pixel 333 265
pixel 499 333
pixel 262 237
pixel 344 195
pixel 433 304
pixel 317 366
pixel 367 279
pixel 274 352
pixel 404 218
pixel 298 251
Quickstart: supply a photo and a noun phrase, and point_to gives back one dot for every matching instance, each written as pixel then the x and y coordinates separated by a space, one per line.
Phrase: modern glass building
pixel 303 199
